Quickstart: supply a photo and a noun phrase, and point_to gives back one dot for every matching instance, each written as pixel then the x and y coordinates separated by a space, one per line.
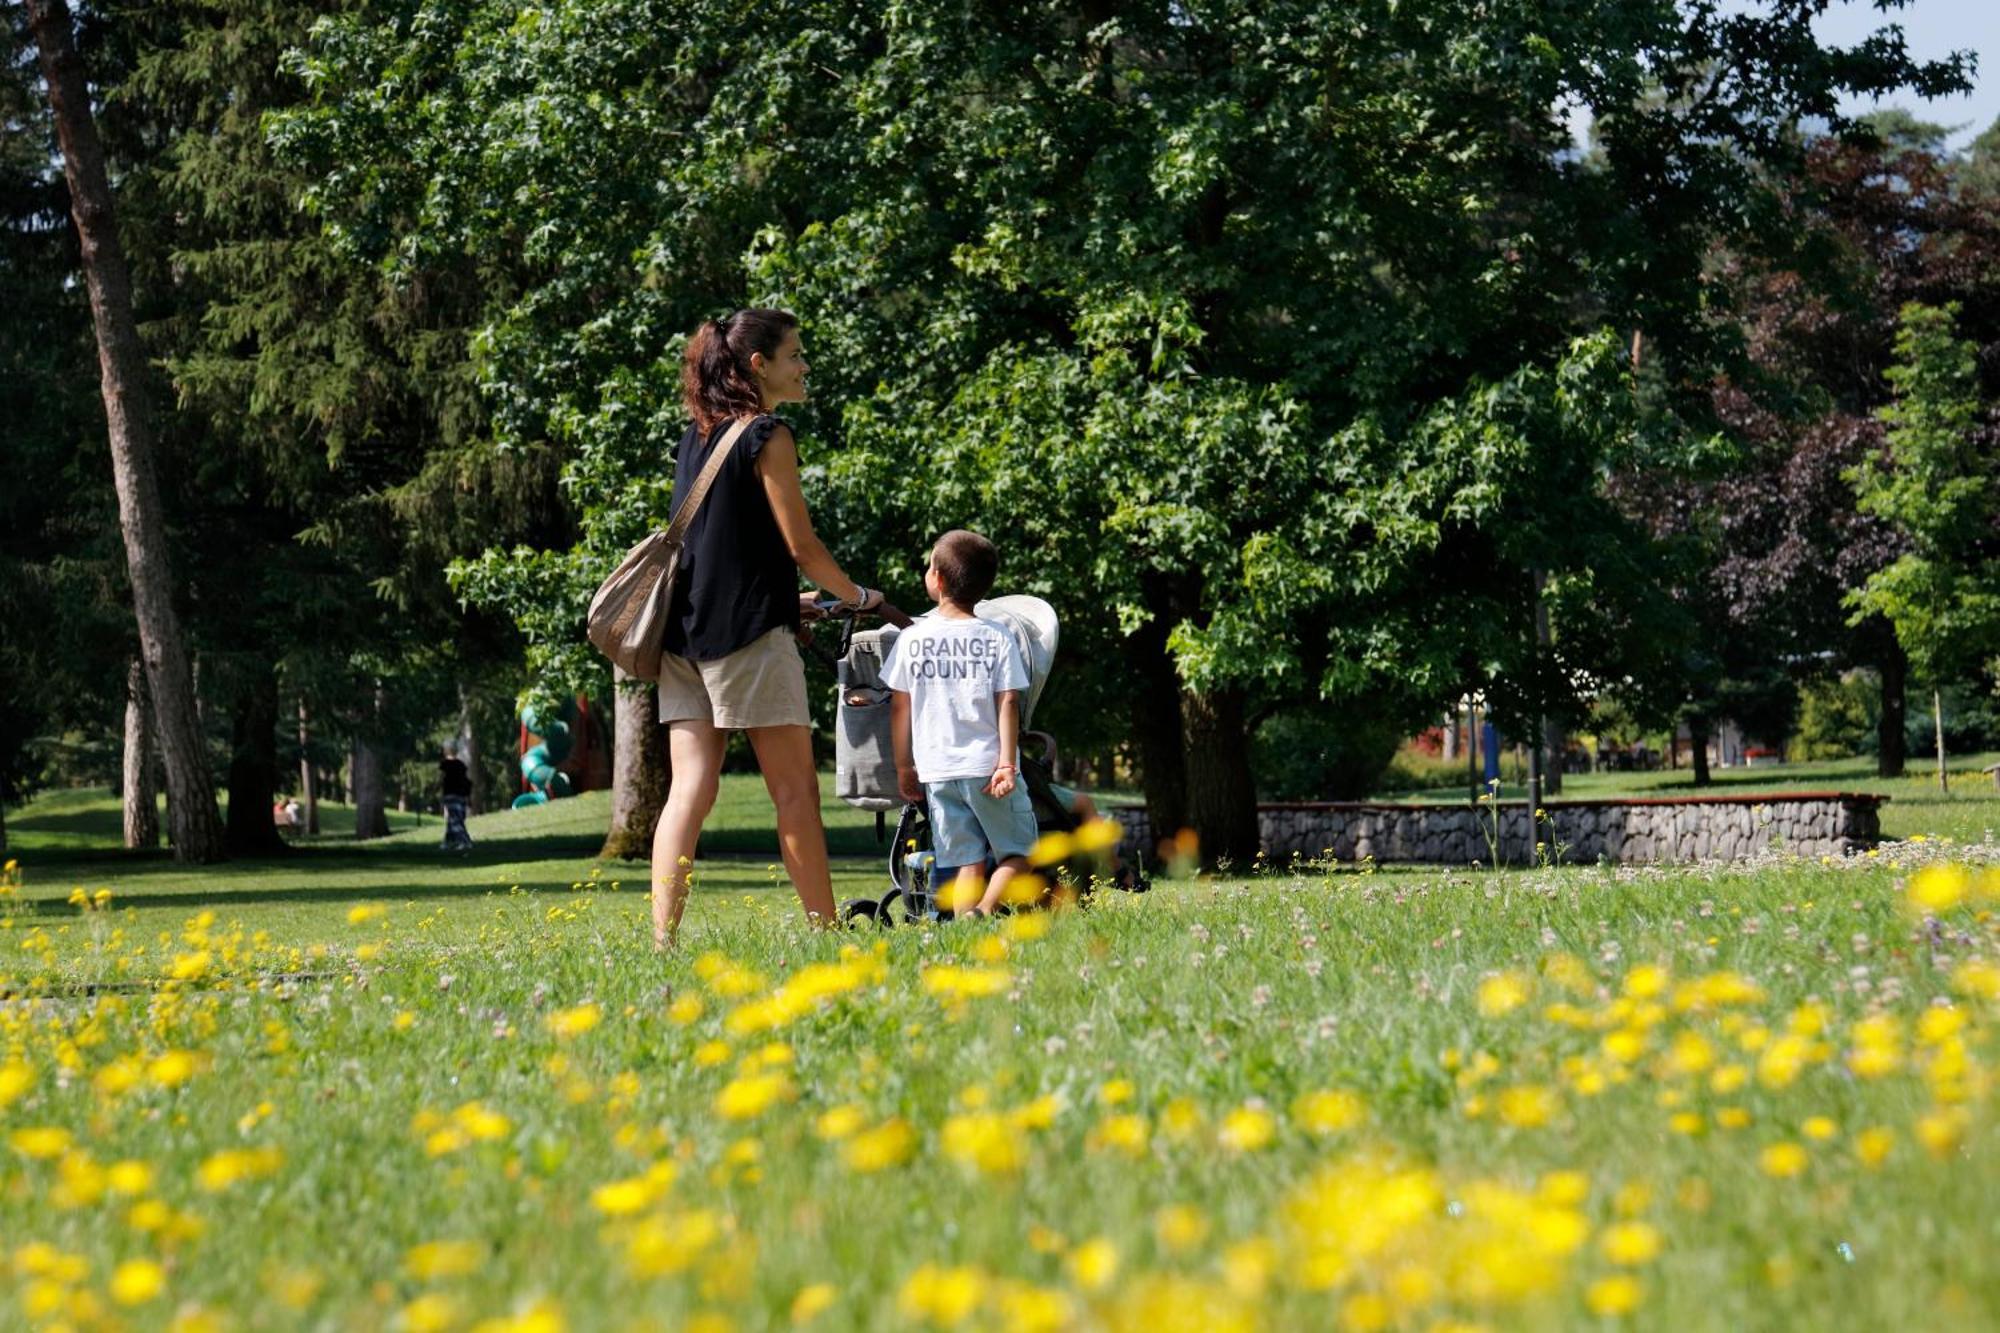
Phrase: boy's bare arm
pixel 899 733
pixel 1008 707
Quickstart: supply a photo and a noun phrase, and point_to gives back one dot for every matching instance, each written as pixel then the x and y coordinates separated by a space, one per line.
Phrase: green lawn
pixel 376 1086
pixel 67 840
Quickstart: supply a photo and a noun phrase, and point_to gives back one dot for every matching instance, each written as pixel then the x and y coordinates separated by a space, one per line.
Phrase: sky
pixel 1933 29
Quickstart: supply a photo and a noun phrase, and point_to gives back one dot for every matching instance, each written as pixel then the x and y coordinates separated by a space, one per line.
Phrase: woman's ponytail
pixel 716 383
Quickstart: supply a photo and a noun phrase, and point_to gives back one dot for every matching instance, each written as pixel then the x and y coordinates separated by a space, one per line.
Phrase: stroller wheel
pixel 1132 881
pixel 859 910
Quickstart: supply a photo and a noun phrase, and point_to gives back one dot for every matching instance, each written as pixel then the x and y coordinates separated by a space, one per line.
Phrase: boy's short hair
pixel 966 565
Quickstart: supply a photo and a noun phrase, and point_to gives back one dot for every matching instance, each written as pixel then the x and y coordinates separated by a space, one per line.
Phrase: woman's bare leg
pixel 696 750
pixel 786 758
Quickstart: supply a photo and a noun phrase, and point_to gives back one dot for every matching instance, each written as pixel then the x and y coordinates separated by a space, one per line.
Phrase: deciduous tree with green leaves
pixel 1938 484
pixel 1276 346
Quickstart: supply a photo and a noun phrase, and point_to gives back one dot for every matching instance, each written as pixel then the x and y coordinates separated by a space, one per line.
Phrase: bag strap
pixel 677 526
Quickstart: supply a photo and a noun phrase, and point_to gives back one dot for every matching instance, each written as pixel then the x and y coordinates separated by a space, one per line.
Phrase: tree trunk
pixel 368 777
pixel 1555 749
pixel 468 750
pixel 1156 718
pixel 141 797
pixel 1221 793
pixel 1698 747
pixel 3 828
pixel 196 828
pixel 1937 723
pixel 1891 735
pixel 308 775
pixel 639 768
pixel 253 767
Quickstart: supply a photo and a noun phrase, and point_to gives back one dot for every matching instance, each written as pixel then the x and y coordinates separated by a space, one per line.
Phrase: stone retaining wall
pixel 1691 828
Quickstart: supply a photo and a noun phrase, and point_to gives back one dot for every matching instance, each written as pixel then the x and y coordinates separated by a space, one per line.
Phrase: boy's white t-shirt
pixel 952 670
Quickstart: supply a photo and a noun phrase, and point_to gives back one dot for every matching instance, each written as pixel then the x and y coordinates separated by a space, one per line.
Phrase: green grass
pixel 400 1000
pixel 67 840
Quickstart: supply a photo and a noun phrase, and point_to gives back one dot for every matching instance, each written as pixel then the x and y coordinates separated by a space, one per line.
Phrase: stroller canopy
pixel 1032 622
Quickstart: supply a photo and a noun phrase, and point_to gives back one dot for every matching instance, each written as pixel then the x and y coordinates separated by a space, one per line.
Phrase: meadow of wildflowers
pixel 1715 1097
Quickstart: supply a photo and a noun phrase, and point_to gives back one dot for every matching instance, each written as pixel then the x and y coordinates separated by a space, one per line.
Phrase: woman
pixel 732 656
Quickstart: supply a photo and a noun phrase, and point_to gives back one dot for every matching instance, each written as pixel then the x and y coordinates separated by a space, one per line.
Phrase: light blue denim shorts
pixel 967 824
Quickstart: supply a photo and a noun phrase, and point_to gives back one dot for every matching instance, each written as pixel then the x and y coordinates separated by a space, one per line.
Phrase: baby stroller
pixel 865 756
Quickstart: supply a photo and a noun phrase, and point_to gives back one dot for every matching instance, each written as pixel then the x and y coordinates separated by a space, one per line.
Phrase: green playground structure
pixel 561 754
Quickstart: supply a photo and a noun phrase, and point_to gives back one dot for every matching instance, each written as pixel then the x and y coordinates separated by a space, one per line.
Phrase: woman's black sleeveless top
pixel 737 579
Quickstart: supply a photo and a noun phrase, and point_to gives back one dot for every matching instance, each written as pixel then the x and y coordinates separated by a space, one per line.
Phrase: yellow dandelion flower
pixel 984 1140
pixel 1942 1130
pixel 218 1171
pixel 1180 1227
pixel 1094 1264
pixel 889 1144
pixel 1630 1244
pixel 838 1122
pixel 685 1009
pixel 1529 1106
pixel 1783 1161
pixel 130 1177
pixel 15 1081
pixel 1123 1133
pixel 662 1245
pixel 1025 926
pixel 432 1312
pixel 436 1259
pixel 1116 1092
pixel 1052 847
pixel 137 1281
pixel 1502 994
pixel 944 1296
pixel 1646 981
pixel 170 1069
pixel 1872 1146
pixel 1037 1114
pixel 1614 1296
pixel 1328 1111
pixel 1977 978
pixel 1688 1123
pixel 748 1097
pixel 711 1053
pixel 40 1143
pixel 1819 1128
pixel 1180 1119
pixel 1937 889
pixel 1937 1026
pixel 1247 1129
pixel 1247 1267
pixel 576 1021
pixel 1564 1189
pixel 812 1301
pixel 623 1198
pixel 366 912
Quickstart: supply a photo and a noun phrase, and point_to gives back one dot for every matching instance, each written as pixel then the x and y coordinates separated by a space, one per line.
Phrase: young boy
pixel 956 718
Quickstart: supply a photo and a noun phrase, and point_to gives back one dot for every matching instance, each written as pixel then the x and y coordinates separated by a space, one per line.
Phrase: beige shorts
pixel 761 684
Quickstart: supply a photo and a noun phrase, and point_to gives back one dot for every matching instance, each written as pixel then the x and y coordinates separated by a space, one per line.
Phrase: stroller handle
pixel 831 608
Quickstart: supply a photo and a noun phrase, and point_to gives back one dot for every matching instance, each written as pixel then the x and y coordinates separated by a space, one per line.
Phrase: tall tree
pixel 1938 484
pixel 1873 223
pixel 196 828
pixel 1176 296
